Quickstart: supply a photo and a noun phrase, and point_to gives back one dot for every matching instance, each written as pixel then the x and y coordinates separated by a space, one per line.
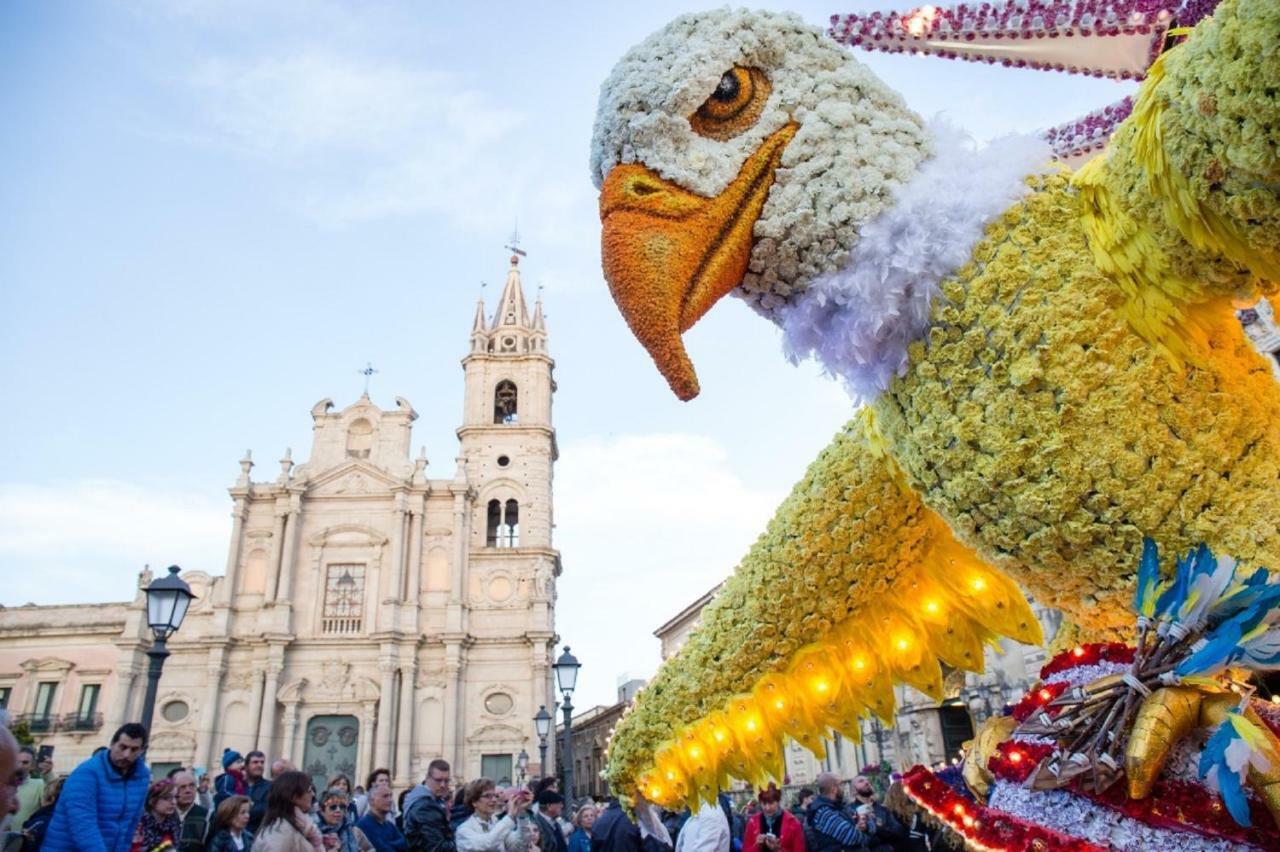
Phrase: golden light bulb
pixel 902 643
pixel 859 663
pixel 751 724
pixel 671 776
pixel 932 607
pixel 978 584
pixel 695 752
pixel 779 704
pixel 820 686
pixel 719 735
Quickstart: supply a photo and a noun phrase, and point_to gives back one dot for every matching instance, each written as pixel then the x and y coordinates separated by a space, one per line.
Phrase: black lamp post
pixel 566 669
pixel 167 602
pixel 542 724
pixel 522 764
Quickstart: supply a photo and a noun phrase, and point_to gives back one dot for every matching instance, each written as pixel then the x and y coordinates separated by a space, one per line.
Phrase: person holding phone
pixel 773 829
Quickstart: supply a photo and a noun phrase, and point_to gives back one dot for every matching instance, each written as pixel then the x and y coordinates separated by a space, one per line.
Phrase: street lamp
pixel 167 602
pixel 522 764
pixel 566 669
pixel 542 724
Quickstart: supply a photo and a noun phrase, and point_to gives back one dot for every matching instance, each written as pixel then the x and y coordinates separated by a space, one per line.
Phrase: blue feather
pixel 1215 766
pixel 1220 647
pixel 1175 594
pixel 1148 576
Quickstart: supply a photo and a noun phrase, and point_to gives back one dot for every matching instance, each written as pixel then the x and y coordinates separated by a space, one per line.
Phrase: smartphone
pixel 45 752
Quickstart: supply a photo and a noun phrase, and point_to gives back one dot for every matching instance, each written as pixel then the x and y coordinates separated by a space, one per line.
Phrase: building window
pixel 5 692
pixel 343 600
pixel 497 767
pixel 502 527
pixel 499 704
pixel 42 713
pixel 505 398
pixel 87 717
pixel 175 711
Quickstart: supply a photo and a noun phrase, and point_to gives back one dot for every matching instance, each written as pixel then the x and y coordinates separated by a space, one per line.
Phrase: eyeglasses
pixel 335 807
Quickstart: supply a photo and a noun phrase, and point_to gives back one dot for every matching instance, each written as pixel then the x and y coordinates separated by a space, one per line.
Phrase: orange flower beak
pixel 669 255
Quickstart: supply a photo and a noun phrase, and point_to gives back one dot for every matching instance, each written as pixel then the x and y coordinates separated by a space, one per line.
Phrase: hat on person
pixel 770 794
pixel 230 756
pixel 549 797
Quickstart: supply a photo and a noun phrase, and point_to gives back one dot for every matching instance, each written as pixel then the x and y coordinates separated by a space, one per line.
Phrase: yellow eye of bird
pixel 735 105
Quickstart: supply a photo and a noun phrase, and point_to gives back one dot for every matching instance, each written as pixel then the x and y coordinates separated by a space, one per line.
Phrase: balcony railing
pixel 80 722
pixel 39 723
pixel 47 723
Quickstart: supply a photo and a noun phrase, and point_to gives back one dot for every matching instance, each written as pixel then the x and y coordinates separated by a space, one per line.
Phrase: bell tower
pixel 507 440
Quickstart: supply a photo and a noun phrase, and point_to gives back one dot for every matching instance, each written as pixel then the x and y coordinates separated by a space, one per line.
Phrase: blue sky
pixel 213 213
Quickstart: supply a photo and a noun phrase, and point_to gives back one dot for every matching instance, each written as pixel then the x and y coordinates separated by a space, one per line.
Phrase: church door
pixel 331 749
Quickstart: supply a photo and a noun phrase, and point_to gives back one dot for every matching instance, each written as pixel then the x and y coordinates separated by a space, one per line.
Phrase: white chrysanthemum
pixel 856 141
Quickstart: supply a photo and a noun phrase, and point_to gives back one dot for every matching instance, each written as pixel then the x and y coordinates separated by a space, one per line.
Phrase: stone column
pixel 255 714
pixel 238 515
pixel 277 547
pixel 267 729
pixel 209 712
pixel 293 522
pixel 395 584
pixel 386 665
pixel 126 678
pixel 299 744
pixel 415 556
pixel 460 529
pixel 404 735
pixel 364 758
pixel 453 711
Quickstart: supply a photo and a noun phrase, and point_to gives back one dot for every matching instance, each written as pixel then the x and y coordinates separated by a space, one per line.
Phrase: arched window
pixel 504 402
pixel 359 439
pixel 502 528
pixel 511 520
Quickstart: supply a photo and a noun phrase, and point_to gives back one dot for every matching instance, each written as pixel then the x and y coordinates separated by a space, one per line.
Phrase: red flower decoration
pixel 1089 655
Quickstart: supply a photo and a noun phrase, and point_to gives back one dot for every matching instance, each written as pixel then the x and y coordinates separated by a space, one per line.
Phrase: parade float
pixel 1054 389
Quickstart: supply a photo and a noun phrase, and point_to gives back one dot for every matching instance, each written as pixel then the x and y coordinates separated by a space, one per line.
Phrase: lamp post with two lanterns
pixel 167 602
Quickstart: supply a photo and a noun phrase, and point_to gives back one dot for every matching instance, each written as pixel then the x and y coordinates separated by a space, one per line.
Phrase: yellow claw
pixel 978 751
pixel 1165 717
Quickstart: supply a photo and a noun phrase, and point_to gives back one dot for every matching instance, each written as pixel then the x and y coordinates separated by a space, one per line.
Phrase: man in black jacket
pixel 550 805
pixel 255 766
pixel 426 812
pixel 615 832
pixel 194 817
pixel 889 833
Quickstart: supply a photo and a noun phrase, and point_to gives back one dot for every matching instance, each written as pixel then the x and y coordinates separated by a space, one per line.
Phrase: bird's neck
pixel 859 321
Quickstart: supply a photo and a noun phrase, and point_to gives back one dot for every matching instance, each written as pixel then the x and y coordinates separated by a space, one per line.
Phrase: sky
pixel 212 214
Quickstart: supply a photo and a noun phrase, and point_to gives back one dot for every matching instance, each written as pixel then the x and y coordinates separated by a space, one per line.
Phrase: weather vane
pixel 367 372
pixel 514 245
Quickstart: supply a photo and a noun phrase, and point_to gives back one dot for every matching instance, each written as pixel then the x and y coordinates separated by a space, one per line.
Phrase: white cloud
pixel 363 139
pixel 646 524
pixel 85 541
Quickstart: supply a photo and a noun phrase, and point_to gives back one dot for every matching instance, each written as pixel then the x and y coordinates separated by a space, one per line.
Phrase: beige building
pixel 369 615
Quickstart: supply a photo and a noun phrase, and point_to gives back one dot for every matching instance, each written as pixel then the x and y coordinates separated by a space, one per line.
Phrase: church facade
pixel 369 615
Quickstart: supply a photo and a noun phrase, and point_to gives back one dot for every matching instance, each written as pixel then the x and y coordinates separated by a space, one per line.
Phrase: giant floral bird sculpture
pixel 1050 365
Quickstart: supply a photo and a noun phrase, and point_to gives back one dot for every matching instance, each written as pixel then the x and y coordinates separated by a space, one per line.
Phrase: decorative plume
pixel 1144 596
pixel 1235 746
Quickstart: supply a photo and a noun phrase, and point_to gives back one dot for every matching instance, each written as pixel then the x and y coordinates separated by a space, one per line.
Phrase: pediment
pixel 352 479
pixel 350 535
pixel 47 664
pixel 495 734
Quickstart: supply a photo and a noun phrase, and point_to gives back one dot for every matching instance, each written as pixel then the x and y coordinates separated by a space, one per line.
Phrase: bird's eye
pixel 734 106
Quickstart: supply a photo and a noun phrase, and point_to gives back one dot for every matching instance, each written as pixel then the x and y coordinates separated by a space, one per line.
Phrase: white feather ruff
pixel 859 320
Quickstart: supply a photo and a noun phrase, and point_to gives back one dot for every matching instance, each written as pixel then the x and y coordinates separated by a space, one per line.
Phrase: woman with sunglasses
pixel 336 821
pixel 485 830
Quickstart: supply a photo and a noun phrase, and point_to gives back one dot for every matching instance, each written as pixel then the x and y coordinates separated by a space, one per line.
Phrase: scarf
pixel 155 832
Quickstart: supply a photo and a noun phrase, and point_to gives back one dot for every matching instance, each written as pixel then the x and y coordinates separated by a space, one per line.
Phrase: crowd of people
pixel 111 803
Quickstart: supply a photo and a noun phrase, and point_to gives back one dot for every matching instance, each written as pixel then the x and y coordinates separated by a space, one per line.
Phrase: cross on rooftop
pixel 367 372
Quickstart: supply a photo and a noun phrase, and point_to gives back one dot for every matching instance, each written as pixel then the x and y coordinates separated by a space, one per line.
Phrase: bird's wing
pixel 855 585
pixel 1183 211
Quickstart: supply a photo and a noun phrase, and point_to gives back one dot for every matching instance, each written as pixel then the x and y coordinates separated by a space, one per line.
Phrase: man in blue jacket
pixel 102 800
